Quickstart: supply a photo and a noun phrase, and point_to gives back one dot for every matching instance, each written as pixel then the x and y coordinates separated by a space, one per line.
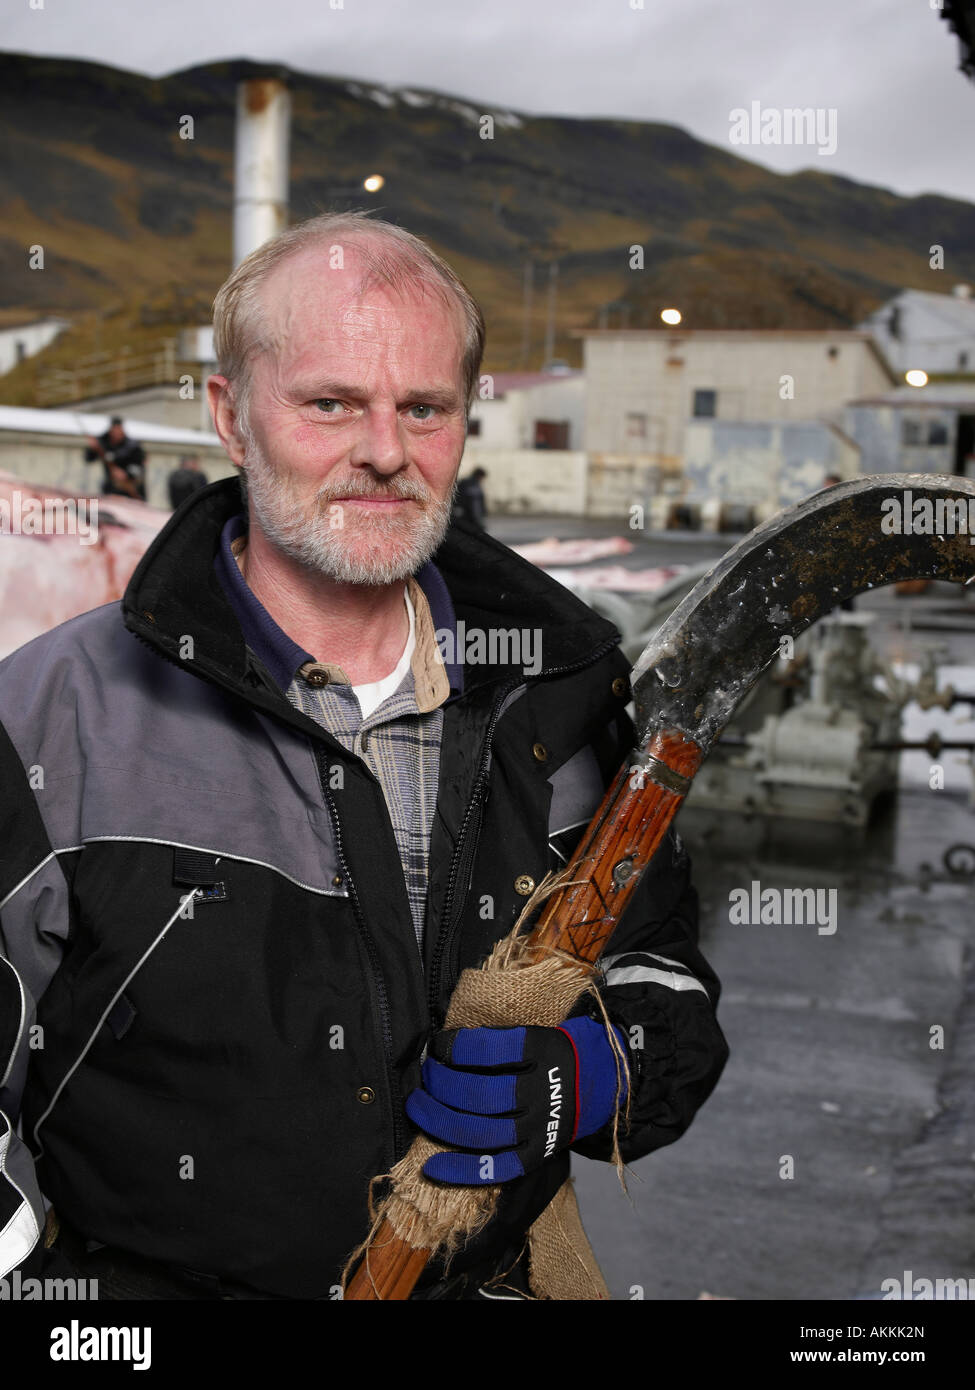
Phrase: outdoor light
pixel 670 315
pixel 373 183
pixel 915 377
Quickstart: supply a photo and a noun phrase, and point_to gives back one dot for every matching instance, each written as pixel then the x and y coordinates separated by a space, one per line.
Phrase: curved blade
pixel 787 573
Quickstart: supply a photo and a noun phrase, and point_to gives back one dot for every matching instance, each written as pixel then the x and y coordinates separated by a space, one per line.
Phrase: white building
pixel 935 332
pixel 926 430
pixel 645 387
pixel 530 410
pixel 24 339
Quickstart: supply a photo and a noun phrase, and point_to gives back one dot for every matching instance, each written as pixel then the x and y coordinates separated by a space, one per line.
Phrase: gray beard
pixel 391 549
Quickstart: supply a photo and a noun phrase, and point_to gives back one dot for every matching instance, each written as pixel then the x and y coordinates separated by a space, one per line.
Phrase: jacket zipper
pixel 451 916
pixel 396 1099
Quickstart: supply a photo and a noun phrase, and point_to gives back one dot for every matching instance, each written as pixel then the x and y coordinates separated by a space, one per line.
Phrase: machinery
pixel 819 737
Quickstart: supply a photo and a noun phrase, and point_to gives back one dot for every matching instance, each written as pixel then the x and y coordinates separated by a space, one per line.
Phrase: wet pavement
pixel 852 1051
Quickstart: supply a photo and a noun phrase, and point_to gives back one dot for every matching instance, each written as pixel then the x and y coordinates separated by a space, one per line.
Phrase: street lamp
pixel 916 377
pixel 671 316
pixel 372 184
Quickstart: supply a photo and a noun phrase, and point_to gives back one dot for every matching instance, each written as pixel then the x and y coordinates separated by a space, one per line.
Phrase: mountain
pixel 136 222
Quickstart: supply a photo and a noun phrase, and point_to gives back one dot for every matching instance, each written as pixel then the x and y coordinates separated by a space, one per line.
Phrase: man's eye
pixel 420 406
pixel 325 402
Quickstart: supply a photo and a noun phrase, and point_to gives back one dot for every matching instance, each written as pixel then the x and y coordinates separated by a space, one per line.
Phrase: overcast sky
pixel 905 116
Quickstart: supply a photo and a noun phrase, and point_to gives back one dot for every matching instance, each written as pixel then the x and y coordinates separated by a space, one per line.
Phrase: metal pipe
pixel 260 163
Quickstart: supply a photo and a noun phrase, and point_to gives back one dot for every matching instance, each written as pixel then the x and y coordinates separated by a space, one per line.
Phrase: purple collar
pixel 280 654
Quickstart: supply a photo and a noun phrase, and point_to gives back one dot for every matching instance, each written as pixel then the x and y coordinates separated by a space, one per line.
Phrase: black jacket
pixel 214 1089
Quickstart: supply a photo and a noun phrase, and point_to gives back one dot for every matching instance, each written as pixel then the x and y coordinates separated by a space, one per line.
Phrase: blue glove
pixel 512 1097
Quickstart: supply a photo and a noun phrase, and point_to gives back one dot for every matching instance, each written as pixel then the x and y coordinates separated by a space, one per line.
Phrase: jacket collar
pixel 175 593
pixel 282 656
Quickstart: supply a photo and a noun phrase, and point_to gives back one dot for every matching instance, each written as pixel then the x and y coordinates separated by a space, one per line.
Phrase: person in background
pixel 122 458
pixel 185 480
pixel 469 503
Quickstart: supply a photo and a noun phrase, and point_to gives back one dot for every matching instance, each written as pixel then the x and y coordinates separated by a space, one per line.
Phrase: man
pixel 185 480
pixel 123 460
pixel 249 853
pixel 469 502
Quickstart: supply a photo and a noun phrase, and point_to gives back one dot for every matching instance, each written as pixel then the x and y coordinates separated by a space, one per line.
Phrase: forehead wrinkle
pixel 302 280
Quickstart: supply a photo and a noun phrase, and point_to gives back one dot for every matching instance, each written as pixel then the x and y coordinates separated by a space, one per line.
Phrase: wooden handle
pixel 389 1269
pixel 622 838
pixel 579 919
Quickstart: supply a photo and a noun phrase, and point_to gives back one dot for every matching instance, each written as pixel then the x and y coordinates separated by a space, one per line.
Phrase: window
pixel 963 361
pixel 705 405
pixel 937 432
pixel 551 434
pixel 636 425
pixel 911 433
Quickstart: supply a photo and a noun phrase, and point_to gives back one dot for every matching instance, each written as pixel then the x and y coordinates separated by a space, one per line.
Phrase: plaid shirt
pixel 399 741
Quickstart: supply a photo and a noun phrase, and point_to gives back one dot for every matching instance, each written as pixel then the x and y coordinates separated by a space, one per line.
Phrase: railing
pixel 103 373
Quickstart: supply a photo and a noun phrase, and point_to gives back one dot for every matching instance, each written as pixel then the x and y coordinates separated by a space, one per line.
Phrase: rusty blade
pixel 787 573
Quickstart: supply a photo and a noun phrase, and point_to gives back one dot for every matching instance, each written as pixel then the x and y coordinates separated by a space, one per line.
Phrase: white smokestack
pixel 260 164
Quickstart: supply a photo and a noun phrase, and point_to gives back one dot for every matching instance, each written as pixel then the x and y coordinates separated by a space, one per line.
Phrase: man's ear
pixel 224 415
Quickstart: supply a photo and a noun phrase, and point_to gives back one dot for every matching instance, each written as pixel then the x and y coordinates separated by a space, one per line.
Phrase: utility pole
pixel 528 289
pixel 553 290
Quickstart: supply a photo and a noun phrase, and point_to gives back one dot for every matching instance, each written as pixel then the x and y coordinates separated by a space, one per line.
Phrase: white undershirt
pixel 372 695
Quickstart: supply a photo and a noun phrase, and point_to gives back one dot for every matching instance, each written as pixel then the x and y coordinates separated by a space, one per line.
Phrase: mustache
pixel 398 489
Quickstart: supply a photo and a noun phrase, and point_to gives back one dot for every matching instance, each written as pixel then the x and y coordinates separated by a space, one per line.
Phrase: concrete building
pixel 934 332
pixel 22 340
pixel 549 482
pixel 530 410
pixel 644 388
pixel 926 430
pixel 722 426
pixel 748 470
pixel 47 446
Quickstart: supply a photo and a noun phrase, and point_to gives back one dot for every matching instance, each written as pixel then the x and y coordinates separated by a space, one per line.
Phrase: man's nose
pixel 379 441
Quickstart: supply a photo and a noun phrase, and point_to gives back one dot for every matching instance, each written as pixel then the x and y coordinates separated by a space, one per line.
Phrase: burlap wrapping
pixel 513 987
pixel 560 1259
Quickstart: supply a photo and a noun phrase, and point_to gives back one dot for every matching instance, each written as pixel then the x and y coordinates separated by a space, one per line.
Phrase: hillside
pixel 135 222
